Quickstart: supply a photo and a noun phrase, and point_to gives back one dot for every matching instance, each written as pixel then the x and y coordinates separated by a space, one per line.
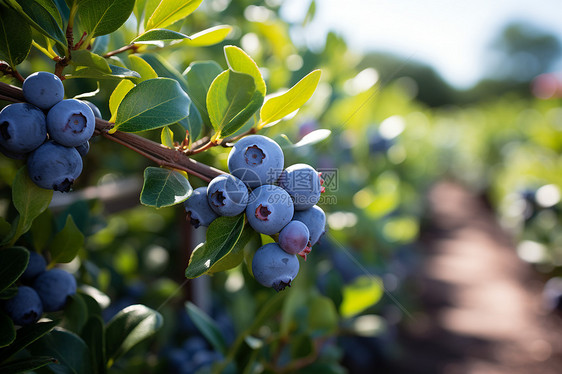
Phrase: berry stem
pixel 166 157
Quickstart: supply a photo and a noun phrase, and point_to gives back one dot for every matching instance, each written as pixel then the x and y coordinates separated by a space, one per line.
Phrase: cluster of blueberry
pixel 51 133
pixel 275 200
pixel 41 290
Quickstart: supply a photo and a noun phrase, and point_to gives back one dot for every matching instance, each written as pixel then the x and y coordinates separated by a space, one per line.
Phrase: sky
pixel 453 36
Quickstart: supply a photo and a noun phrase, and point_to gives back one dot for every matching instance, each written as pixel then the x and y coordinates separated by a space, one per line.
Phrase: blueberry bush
pixel 89 282
pixel 186 187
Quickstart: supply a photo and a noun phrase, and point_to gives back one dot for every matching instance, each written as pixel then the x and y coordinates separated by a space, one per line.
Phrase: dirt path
pixel 482 305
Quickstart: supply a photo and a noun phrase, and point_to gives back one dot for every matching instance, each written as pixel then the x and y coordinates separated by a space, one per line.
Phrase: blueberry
pixel 23 127
pixel 198 210
pixel 83 148
pixel 25 308
pixel 294 237
pixel 270 209
pixel 35 266
pixel 256 160
pixel 273 267
pixel 54 287
pixel 315 220
pixel 43 89
pixel 53 166
pixel 71 122
pixel 94 108
pixel 194 344
pixel 227 195
pixel 303 183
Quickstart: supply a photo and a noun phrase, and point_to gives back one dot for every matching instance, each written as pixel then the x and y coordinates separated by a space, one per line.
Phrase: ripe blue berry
pixel 273 267
pixel 53 166
pixel 227 195
pixel 54 287
pixel 94 108
pixel 43 89
pixel 71 122
pixel 303 183
pixel 270 209
pixel 315 220
pixel 256 160
pixel 198 210
pixel 294 237
pixel 83 148
pixel 35 266
pixel 25 308
pixel 23 127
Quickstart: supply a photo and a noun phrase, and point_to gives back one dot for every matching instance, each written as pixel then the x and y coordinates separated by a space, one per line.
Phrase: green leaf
pixel 68 348
pixel 240 62
pixel 101 17
pixel 236 254
pixel 142 67
pixel 75 314
pixel 117 72
pixel 164 69
pixel 222 235
pixel 199 77
pixel 43 15
pixel 117 96
pixel 7 330
pixel 152 104
pixel 42 229
pixel 192 123
pixel 129 327
pixel 29 200
pixel 15 37
pixel 93 334
pixel 14 262
pixel 364 292
pixel 231 102
pixel 159 35
pixel 25 336
pixel 164 187
pixel 66 243
pixel 24 365
pixel 210 36
pixel 207 327
pixel 322 315
pixel 314 137
pixel 170 11
pixel 89 59
pixel 277 107
pixel 167 137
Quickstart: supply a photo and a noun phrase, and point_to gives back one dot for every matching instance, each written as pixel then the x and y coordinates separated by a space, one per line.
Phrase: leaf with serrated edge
pixel 222 235
pixel 277 107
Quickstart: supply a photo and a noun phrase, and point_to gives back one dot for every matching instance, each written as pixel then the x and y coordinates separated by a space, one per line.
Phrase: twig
pixel 167 157
pixel 134 47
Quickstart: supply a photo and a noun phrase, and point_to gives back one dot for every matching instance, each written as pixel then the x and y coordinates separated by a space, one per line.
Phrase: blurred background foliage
pixel 397 128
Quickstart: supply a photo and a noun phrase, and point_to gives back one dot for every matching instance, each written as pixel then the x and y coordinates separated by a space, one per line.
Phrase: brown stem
pixel 155 152
pixel 134 47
